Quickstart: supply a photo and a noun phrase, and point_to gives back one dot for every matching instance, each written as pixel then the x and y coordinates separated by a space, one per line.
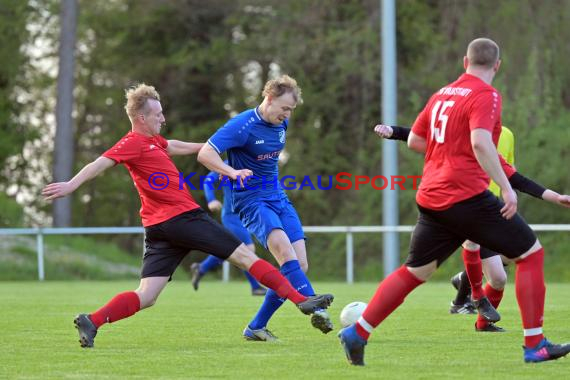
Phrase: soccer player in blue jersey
pixel 253 141
pixel 231 221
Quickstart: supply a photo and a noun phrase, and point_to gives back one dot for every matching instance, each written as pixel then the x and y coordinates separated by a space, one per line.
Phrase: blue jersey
pixel 252 143
pixel 211 184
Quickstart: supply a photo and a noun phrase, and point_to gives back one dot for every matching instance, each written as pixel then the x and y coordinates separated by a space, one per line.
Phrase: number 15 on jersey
pixel 439 120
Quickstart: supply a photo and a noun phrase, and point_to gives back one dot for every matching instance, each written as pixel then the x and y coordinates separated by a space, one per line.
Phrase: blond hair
pixel 137 97
pixel 279 86
pixel 483 52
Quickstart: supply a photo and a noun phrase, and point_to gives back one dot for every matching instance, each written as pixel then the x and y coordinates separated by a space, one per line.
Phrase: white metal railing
pixel 348 230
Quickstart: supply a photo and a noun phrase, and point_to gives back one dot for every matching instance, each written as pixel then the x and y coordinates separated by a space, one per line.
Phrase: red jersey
pixel 144 156
pixel 451 171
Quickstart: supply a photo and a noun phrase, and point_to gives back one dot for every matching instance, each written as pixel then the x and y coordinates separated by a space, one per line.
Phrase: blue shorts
pixel 264 213
pixel 232 222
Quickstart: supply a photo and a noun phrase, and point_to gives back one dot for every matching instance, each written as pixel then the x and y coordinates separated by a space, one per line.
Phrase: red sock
pixel 474 269
pixel 530 290
pixel 269 276
pixel 390 294
pixel 123 305
pixel 495 296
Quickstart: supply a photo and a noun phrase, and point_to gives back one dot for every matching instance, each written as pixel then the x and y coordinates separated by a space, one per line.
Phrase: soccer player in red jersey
pixel 479 260
pixel 458 130
pixel 174 223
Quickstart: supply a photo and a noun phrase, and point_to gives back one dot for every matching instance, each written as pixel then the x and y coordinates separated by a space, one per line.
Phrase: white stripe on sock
pixel 365 325
pixel 532 332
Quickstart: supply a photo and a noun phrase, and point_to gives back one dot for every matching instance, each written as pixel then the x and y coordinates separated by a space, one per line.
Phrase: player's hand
pixel 563 200
pixel 241 174
pixel 510 208
pixel 384 131
pixel 215 205
pixel 57 190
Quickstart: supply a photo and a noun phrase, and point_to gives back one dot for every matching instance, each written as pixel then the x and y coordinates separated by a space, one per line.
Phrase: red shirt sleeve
pixel 507 168
pixel 161 141
pixel 421 125
pixel 126 149
pixel 485 111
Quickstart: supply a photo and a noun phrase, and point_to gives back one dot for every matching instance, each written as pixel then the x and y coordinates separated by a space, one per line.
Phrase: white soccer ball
pixel 351 312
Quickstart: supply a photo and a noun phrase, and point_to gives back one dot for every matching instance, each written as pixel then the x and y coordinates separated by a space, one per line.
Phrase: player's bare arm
pixel 179 148
pixel 212 160
pixel 558 199
pixel 488 157
pixel 89 171
pixel 417 143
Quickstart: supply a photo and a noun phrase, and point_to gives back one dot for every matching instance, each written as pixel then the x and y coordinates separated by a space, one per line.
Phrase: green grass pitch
pixel 197 335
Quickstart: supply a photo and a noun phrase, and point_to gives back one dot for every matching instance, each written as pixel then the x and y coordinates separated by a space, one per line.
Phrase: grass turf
pixel 197 335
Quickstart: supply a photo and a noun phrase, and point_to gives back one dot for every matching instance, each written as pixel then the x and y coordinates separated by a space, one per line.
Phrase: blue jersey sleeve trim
pixel 214 146
pixel 257 113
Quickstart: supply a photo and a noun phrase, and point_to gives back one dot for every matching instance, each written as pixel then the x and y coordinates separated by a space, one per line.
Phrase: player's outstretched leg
pixel 389 295
pixel 257 328
pixel 269 276
pixel 123 305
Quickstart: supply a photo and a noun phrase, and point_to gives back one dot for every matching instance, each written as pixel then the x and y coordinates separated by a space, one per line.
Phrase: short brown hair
pixel 483 52
pixel 137 97
pixel 279 86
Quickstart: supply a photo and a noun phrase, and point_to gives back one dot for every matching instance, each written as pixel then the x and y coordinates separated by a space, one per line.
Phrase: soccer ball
pixel 351 312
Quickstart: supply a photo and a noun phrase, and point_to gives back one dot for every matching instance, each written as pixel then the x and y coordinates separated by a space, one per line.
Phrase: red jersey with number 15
pixel 451 171
pixel 145 157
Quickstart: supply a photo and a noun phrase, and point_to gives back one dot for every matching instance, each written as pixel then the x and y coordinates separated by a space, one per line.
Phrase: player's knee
pixel 498 281
pixel 242 257
pixel 146 299
pixel 470 246
pixel 424 272
pixel 150 302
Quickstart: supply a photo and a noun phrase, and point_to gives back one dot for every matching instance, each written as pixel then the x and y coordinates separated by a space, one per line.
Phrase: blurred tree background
pixel 210 59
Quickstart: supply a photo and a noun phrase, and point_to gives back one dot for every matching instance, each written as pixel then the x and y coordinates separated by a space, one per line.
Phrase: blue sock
pixel 270 304
pixel 292 271
pixel 252 281
pixel 210 263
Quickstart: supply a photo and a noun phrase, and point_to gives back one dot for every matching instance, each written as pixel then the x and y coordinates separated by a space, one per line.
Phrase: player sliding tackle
pixel 458 130
pixel 174 223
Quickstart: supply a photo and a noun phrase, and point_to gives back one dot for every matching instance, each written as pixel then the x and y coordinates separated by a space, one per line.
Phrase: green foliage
pixel 11 213
pixel 209 59
pixel 13 33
